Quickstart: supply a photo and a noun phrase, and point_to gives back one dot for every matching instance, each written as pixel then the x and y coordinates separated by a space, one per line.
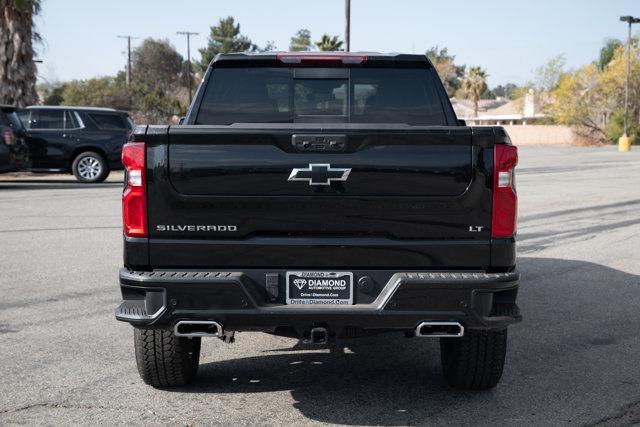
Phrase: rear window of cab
pixel 107 121
pixel 362 95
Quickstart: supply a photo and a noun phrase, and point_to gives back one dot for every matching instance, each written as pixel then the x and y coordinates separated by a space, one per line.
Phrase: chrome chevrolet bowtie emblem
pixel 319 174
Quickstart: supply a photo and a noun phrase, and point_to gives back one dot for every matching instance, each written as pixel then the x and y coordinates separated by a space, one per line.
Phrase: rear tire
pixel 90 166
pixel 475 361
pixel 165 360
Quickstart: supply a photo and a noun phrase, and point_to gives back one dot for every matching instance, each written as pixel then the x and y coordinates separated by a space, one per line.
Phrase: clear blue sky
pixel 508 38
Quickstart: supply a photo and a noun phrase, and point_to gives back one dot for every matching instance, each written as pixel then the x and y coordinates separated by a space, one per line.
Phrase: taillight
pixel 312 57
pixel 505 199
pixel 134 197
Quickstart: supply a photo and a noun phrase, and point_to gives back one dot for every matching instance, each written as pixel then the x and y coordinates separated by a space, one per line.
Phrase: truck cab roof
pixel 326 58
pixel 75 108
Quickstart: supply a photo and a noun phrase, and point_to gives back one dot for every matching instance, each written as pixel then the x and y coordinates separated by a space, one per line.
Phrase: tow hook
pixel 318 336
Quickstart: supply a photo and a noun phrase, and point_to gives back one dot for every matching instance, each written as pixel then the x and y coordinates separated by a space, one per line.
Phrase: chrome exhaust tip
pixel 198 328
pixel 440 330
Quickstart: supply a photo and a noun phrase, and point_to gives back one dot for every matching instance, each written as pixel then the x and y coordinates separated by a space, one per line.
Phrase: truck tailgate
pixel 227 194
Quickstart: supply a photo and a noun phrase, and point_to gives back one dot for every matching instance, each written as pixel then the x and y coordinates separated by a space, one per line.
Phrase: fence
pixel 541 134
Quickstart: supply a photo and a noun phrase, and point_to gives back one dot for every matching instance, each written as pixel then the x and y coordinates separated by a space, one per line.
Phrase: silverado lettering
pixel 230 228
pixel 361 205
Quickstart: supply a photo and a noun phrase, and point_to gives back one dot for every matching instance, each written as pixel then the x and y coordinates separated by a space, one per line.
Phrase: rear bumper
pixel 242 301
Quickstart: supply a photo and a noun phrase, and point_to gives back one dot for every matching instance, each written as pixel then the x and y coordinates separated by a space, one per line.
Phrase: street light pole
pixel 624 143
pixel 190 79
pixel 347 25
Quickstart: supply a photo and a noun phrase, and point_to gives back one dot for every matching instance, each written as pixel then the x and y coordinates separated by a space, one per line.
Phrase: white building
pixel 500 111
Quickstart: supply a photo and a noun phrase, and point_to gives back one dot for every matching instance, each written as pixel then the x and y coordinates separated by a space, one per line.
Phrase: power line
pixel 129 38
pixel 190 79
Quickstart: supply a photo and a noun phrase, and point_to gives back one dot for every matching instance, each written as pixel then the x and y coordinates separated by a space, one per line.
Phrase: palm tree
pixel 474 85
pixel 329 44
pixel 17 69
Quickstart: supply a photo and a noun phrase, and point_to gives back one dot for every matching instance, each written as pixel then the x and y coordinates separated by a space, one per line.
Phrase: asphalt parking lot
pixel 574 360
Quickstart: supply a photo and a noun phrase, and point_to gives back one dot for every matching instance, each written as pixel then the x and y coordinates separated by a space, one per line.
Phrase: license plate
pixel 319 288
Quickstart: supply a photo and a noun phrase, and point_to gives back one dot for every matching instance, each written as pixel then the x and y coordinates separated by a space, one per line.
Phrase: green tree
pixel 157 107
pixel 98 92
pixel 55 96
pixel 156 63
pixel 607 51
pixel 592 101
pixel 450 73
pixel 301 41
pixel 576 101
pixel 225 38
pixel 268 47
pixel 159 81
pixel 17 69
pixel 487 94
pixel 548 75
pixel 615 128
pixel 474 85
pixel 329 44
pixel 546 79
pixel 508 90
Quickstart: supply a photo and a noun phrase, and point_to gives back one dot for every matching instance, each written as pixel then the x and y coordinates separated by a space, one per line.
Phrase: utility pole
pixel 624 144
pixel 347 25
pixel 190 78
pixel 128 56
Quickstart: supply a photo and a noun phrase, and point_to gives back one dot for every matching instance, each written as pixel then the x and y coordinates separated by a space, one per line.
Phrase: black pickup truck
pixel 320 196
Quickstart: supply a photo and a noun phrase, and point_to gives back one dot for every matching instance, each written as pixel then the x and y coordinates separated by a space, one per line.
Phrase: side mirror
pixel 181 121
pixel 462 122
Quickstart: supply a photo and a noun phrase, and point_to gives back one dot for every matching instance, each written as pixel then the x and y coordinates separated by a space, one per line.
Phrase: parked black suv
pixel 14 154
pixel 83 140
